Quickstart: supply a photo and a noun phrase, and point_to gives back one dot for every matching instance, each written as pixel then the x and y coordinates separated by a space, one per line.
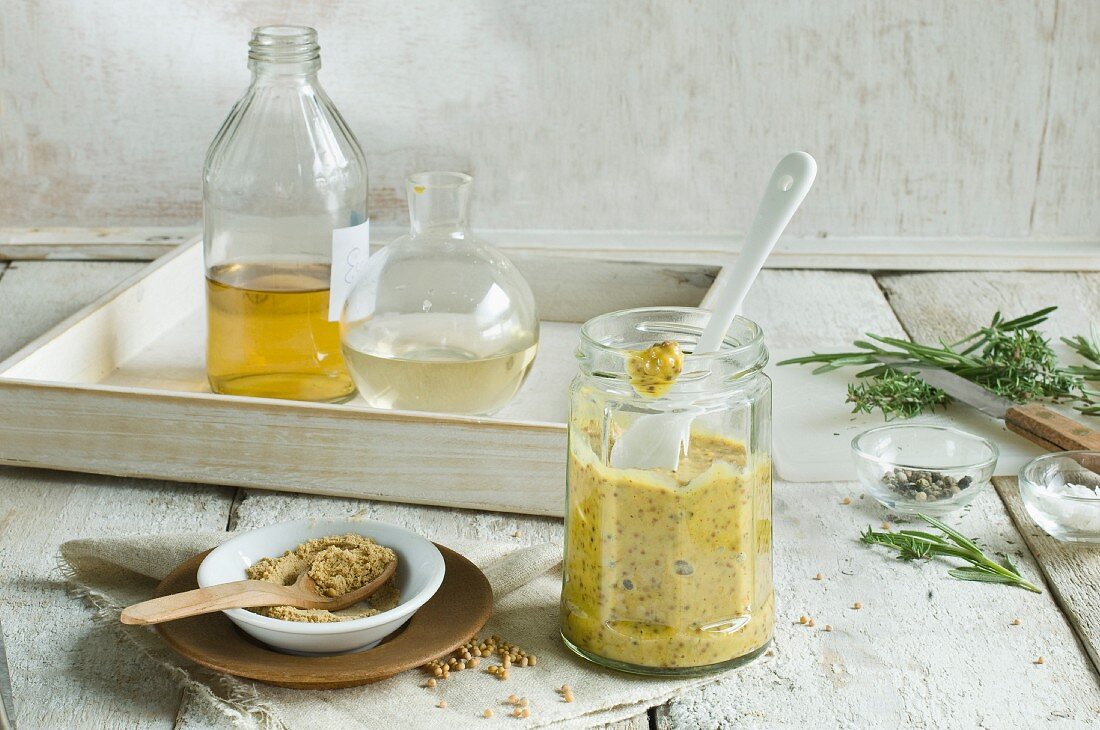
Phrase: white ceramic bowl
pixel 419 574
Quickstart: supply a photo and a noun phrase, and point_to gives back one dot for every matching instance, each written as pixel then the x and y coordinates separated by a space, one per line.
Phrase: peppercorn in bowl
pixel 911 468
pixel 420 572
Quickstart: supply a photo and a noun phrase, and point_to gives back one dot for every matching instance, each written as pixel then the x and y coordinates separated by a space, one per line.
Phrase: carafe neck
pixel 282 53
pixel 439 202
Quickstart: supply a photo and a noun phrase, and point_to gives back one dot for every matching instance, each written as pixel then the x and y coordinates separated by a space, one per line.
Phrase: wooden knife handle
pixel 1051 430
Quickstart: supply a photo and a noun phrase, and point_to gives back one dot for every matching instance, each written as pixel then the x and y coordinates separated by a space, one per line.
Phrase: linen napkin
pixel 111 573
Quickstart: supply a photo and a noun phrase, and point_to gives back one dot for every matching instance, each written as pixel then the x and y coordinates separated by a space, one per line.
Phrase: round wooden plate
pixel 452 617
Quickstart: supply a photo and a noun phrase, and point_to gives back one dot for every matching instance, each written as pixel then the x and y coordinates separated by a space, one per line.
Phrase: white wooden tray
pixel 120 388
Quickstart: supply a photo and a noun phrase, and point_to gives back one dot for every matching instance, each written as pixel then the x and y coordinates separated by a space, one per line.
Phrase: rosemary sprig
pixel 1089 349
pixel 896 394
pixel 1009 357
pixel 913 545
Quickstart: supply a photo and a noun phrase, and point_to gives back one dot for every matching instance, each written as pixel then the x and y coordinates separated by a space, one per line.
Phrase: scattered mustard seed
pixel 828 627
pixel 770 652
pixel 1015 622
pixel 810 623
pixel 487 713
pixel 1040 660
pixel 857 605
pixel 846 500
pixel 442 704
pixel 886 525
pixel 819 576
pixel 517 533
pixel 802 620
pixel 525 712
pixel 430 683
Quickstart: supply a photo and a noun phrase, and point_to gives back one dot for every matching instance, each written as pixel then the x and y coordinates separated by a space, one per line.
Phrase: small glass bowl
pixel 1067 514
pixel 913 468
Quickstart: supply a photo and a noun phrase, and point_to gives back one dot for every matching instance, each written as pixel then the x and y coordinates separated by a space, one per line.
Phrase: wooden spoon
pixel 248 594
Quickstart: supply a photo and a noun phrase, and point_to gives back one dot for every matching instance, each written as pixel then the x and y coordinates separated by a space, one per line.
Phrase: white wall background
pixel 929 118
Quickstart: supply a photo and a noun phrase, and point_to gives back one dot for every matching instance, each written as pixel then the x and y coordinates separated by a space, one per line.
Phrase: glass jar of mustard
pixel 669 571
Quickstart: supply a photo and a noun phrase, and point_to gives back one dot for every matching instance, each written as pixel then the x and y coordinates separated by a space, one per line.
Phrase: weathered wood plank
pixel 588 115
pixel 64 672
pixel 909 679
pixel 106 244
pixel 1071 570
pixel 897 655
pixel 924 650
pixel 891 655
pixel 818 309
pixel 951 305
pixel 1066 176
pixel 35 296
pixel 878 253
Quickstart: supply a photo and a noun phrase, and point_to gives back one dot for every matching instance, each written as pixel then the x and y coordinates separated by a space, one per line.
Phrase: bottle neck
pixel 284 53
pixel 439 202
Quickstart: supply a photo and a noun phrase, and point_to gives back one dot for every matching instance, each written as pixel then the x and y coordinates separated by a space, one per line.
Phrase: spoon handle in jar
pixel 786 190
pixel 239 594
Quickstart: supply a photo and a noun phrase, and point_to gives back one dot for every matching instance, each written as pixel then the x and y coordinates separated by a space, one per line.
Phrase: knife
pixel 1035 422
pixel 7 704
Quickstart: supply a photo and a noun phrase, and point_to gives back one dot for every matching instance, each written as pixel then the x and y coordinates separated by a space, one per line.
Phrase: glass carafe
pixel 283 172
pixel 439 320
pixel 669 572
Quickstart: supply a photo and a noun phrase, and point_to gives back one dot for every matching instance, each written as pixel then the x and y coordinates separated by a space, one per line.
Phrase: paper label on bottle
pixel 350 249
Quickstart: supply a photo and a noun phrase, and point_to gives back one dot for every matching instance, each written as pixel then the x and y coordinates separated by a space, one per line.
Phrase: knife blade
pixel 1033 421
pixel 7 702
pixel 964 390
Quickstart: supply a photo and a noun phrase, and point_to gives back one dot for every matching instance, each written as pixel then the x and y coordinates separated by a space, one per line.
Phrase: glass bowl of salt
pixel 1061 492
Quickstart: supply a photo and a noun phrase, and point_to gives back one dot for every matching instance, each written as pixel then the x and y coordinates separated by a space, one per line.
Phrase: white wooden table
pixel 924 650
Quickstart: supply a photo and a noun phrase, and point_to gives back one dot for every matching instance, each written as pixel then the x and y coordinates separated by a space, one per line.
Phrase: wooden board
pixel 1071 570
pixel 924 650
pixel 951 305
pixel 74 679
pixel 879 253
pixel 35 296
pixel 119 388
pixel 64 672
pixel 100 243
pixel 881 666
pixel 632 114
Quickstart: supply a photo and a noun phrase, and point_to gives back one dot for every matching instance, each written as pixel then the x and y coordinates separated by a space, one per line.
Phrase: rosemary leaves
pixel 1009 357
pixel 913 545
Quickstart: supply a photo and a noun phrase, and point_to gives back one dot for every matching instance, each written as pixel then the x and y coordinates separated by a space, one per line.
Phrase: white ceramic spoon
pixel 656 441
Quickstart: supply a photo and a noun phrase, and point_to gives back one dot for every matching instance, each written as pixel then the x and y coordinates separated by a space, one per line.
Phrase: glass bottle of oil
pixel 439 320
pixel 281 175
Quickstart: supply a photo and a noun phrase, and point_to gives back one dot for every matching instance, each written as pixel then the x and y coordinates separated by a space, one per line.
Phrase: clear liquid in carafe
pixel 441 379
